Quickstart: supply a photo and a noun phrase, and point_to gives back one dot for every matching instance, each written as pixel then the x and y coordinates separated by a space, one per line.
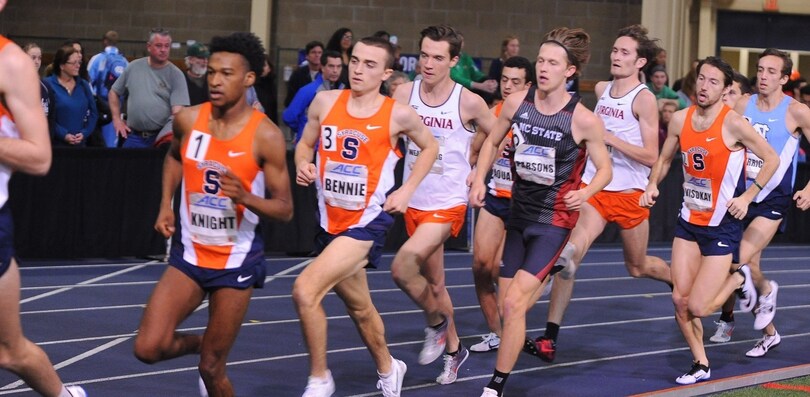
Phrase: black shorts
pixel 375 231
pixel 773 208
pixel 534 248
pixel 6 239
pixel 718 240
pixel 498 206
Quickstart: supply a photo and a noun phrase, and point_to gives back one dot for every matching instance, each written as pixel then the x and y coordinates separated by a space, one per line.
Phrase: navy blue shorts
pixel 6 239
pixel 498 206
pixel 534 248
pixel 247 276
pixel 375 231
pixel 713 240
pixel 773 208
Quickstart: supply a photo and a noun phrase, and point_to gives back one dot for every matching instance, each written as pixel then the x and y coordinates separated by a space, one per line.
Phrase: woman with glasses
pixel 74 112
pixel 342 41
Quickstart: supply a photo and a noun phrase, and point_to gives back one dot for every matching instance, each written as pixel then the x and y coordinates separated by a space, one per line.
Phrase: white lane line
pixel 86 282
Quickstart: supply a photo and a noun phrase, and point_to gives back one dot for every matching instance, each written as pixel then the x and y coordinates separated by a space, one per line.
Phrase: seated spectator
pixel 306 72
pixel 295 116
pixel 74 113
pixel 196 68
pixel 659 88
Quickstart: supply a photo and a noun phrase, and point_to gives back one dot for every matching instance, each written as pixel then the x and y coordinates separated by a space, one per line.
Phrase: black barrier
pixel 97 203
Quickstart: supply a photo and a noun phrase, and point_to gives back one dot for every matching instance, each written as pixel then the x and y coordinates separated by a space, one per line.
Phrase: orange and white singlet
pixel 7 130
pixel 355 166
pixel 445 186
pixel 713 173
pixel 216 233
pixel 500 184
pixel 617 114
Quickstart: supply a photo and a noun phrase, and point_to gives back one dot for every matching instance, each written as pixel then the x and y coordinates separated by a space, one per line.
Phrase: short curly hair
pixel 242 43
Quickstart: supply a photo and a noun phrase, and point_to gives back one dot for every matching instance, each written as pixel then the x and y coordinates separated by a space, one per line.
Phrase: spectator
pixel 305 73
pixel 687 90
pixel 660 59
pixel 83 68
pixel 667 110
pixel 383 35
pixel 155 90
pixel 804 95
pixel 657 85
pixel 266 91
pixel 104 69
pixel 197 66
pixel 676 86
pixel 295 116
pixel 33 51
pixel 341 41
pixel 397 78
pixel 74 112
pixel 510 47
pixel 467 74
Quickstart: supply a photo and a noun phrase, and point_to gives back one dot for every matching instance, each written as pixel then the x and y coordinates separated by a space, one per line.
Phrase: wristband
pixel 757 185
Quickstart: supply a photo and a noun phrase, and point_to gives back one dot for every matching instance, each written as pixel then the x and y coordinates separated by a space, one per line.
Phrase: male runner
pixel 630 113
pixel 438 207
pixel 551 133
pixel 779 119
pixel 225 153
pixel 357 131
pixel 517 75
pixel 25 146
pixel 712 140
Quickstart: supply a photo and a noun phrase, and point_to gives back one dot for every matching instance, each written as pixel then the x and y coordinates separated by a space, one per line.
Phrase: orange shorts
pixel 620 208
pixel 455 215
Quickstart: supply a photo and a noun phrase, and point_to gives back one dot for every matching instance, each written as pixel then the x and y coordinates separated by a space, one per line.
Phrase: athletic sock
pixel 552 330
pixel 439 325
pixel 727 316
pixel 498 381
pixel 453 354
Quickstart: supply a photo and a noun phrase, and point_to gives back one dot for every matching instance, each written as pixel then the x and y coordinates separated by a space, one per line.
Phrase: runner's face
pixel 228 78
pixel 367 68
pixel 732 95
pixel 624 59
pixel 769 74
pixel 435 60
pixel 553 68
pixel 709 88
pixel 513 80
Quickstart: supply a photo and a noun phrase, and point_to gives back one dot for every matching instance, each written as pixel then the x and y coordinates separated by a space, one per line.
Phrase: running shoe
pixel 489 393
pixel 489 342
pixel 435 341
pixel 542 347
pixel 451 366
pixel 723 333
pixel 767 308
pixel 320 387
pixel 765 344
pixel 565 263
pixel 747 292
pixel 391 386
pixel 76 391
pixel 201 386
pixel 699 372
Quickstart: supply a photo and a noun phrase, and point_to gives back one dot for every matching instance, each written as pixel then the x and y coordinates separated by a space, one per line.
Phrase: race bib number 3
pixel 212 219
pixel 345 185
pixel 329 137
pixel 536 163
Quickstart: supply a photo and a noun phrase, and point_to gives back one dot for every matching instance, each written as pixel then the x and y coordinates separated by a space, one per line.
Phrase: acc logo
pixel 697 182
pixel 348 169
pixel 536 151
pixel 213 202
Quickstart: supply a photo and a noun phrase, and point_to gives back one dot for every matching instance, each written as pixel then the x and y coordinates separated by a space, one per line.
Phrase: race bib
pixel 502 174
pixel 414 151
pixel 212 219
pixel 753 165
pixel 697 194
pixel 536 163
pixel 345 185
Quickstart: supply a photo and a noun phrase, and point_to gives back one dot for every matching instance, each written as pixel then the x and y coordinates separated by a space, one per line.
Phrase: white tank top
pixel 617 114
pixel 445 186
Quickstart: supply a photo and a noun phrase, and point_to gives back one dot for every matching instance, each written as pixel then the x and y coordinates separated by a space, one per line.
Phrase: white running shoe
pixel 76 391
pixel 698 373
pixel 547 288
pixel 747 292
pixel 765 344
pixel 489 393
pixel 723 333
pixel 489 342
pixel 435 341
pixel 320 387
pixel 391 385
pixel 767 308
pixel 565 261
pixel 451 366
pixel 201 385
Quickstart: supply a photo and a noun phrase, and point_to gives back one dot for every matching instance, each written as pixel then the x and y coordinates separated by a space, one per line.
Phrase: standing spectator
pixel 397 79
pixel 658 86
pixel 33 51
pixel 197 65
pixel 305 73
pixel 83 68
pixel 510 47
pixel 155 91
pixel 660 59
pixel 104 69
pixel 804 95
pixel 667 110
pixel 295 116
pixel 341 41
pixel 266 90
pixel 74 112
pixel 687 93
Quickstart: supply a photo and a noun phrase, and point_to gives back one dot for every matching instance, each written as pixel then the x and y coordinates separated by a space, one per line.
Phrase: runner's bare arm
pixel 406 121
pixel 661 166
pixel 801 115
pixel 587 127
pixel 489 149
